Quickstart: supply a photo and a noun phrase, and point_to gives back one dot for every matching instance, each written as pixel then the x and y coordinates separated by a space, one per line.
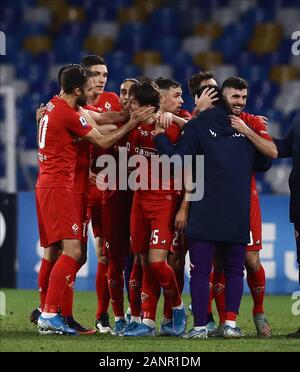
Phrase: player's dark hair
pixel 195 81
pixel 74 76
pixel 164 83
pixel 146 93
pixel 91 60
pixel 62 69
pixel 234 82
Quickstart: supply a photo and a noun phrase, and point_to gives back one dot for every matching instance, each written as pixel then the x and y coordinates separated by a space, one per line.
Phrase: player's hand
pixel 92 178
pixel 206 100
pixel 181 220
pixel 100 181
pixel 239 125
pixel 158 129
pixel 40 112
pixel 140 115
pixel 264 119
pixel 165 119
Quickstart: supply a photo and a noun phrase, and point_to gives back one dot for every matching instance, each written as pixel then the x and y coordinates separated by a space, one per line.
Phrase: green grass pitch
pixel 18 334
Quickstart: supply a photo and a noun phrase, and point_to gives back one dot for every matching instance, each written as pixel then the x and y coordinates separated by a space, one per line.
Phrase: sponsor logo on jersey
pixel 148 152
pixel 75 228
pixel 83 121
pixel 50 106
pixel 107 106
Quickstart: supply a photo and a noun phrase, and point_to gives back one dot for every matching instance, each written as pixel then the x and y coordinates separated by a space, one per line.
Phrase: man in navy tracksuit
pixel 289 146
pixel 221 218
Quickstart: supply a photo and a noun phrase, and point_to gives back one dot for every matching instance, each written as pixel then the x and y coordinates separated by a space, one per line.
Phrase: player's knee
pixel 252 261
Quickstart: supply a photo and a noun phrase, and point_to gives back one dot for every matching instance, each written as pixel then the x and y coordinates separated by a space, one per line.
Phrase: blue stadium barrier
pixel 278 255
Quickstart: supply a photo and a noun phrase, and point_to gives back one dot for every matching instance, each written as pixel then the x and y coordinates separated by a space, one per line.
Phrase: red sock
pixel 230 316
pixel 62 275
pixel 166 277
pixel 257 283
pixel 219 294
pixel 66 302
pixel 211 293
pixel 43 280
pixel 135 285
pixel 150 293
pixel 115 278
pixel 102 290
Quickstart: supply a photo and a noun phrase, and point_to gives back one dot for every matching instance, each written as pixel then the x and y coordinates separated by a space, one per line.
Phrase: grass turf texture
pixel 18 334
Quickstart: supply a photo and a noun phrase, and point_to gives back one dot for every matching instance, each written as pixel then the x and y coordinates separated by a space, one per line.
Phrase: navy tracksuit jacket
pixel 229 159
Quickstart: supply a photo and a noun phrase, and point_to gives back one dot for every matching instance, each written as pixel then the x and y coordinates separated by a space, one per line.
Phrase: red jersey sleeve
pixel 77 124
pixel 256 124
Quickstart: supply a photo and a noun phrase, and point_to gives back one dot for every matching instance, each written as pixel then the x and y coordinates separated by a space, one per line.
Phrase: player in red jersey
pixel 103 101
pixel 171 109
pixel 80 188
pixel 255 271
pixel 59 220
pixel 152 224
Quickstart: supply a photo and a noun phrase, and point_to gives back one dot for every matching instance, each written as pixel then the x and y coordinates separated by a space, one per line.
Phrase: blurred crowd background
pixel 170 38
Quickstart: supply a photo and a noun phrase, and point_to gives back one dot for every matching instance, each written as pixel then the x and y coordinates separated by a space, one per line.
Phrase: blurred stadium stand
pixel 173 38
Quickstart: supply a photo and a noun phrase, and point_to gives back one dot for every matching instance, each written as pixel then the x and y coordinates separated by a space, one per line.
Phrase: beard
pixel 81 100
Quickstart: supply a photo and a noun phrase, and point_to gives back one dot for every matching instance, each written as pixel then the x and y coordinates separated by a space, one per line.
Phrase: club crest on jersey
pixel 107 106
pixel 75 228
pixel 83 121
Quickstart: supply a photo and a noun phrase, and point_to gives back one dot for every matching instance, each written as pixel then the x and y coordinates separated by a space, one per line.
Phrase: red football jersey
pixel 259 128
pixel 108 101
pixel 82 166
pixel 58 132
pixel 184 114
pixel 140 142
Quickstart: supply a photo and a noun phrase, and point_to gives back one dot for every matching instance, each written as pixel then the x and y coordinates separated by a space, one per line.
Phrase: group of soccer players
pixel 138 233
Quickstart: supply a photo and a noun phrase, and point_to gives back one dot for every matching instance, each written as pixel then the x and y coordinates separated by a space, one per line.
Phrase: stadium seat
pixel 211 30
pixel 195 44
pixel 67 49
pixel 116 60
pixel 133 37
pixel 37 44
pixel 165 21
pixel 289 18
pixel 105 29
pixel 269 43
pixel 132 14
pixel 54 5
pixel 282 73
pixel 207 60
pixel 41 14
pixel 141 59
pixel 168 47
pixel 98 45
pixel 155 71
pixel 222 72
pixel 76 29
pixel 7 74
pixel 224 15
pixel 129 71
